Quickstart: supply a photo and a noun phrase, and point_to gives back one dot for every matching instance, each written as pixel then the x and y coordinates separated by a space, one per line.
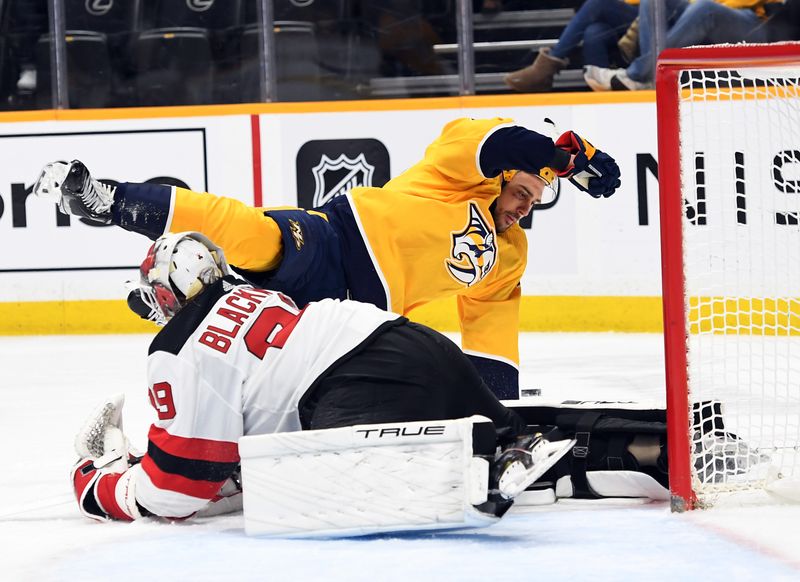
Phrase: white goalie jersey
pixel 234 362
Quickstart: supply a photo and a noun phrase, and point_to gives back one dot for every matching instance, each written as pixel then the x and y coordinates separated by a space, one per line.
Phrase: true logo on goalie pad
pixel 401 431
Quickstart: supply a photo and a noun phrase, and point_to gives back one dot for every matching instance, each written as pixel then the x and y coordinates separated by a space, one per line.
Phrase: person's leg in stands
pixel 702 22
pixel 539 76
pixel 599 40
pixel 616 14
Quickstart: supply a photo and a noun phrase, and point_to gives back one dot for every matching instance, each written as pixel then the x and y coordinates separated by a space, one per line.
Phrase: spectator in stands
pixel 689 23
pixel 406 39
pixel 598 24
pixel 27 22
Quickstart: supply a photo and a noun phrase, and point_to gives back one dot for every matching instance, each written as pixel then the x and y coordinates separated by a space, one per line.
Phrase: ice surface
pixel 49 384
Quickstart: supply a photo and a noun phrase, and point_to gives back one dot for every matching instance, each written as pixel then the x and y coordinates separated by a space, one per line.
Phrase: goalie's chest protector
pixel 438 236
pixel 249 356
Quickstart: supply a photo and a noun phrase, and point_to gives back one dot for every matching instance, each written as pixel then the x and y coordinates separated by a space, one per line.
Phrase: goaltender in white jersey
pixel 234 360
pixel 210 389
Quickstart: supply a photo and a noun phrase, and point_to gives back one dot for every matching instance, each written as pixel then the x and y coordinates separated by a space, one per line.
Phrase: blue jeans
pixel 701 22
pixel 597 24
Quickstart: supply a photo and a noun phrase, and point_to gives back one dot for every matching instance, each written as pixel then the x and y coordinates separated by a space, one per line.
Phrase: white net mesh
pixel 740 164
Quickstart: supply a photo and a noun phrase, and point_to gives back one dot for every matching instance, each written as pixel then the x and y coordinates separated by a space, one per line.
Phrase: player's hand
pixel 590 170
pixel 100 478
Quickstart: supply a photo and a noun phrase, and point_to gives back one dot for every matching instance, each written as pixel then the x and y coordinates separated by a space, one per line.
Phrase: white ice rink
pixel 49 384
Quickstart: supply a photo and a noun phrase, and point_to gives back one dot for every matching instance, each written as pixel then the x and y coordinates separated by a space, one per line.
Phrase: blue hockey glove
pixel 592 170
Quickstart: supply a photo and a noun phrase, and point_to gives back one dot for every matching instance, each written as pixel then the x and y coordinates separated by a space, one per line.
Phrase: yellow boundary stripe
pixel 70 317
pixel 624 314
pixel 563 314
pixel 477 101
pixel 768 316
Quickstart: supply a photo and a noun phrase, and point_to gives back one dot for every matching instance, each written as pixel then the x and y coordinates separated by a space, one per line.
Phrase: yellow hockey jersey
pixel 431 232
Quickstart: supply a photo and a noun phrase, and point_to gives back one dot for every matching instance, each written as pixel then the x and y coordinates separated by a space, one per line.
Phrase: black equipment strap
pixel 580 454
pixel 616 448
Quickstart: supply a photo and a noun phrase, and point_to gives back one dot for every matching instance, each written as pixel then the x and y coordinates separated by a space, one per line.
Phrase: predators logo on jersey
pixel 473 251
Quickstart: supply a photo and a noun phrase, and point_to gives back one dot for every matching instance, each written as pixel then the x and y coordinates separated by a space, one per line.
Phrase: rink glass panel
pixel 195 52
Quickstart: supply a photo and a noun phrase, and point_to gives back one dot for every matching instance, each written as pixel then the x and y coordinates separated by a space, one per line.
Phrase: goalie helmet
pixel 176 269
pixel 551 181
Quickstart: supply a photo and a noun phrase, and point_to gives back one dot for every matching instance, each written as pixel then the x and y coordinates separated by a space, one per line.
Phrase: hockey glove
pixel 102 491
pixel 103 485
pixel 591 170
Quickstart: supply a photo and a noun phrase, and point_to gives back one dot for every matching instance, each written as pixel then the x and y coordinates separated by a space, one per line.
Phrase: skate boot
pixel 525 461
pixel 75 191
pixel 721 457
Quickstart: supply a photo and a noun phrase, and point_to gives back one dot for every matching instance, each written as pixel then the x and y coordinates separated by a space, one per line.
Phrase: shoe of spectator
pixel 537 77
pixel 628 45
pixel 27 80
pixel 598 78
pixel 622 82
pixel 602 79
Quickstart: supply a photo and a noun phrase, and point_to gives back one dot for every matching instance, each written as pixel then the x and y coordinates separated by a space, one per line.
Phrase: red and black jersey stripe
pixel 191 466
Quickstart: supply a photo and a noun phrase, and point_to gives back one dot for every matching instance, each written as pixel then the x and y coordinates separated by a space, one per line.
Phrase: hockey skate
pixel 75 191
pixel 525 461
pixel 721 457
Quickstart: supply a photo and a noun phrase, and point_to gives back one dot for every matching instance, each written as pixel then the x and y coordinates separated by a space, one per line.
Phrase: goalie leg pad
pixel 366 479
pixel 628 484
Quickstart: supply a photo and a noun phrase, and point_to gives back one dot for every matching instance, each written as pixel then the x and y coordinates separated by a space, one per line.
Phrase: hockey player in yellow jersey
pixel 447 226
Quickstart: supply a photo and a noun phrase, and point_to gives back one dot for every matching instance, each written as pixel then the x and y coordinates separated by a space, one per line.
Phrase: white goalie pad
pixel 364 479
pixel 617 484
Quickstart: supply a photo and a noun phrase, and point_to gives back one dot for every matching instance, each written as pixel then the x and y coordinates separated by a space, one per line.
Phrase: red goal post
pixel 728 123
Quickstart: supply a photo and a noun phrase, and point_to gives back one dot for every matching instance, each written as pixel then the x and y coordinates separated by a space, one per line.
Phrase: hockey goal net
pixel 729 179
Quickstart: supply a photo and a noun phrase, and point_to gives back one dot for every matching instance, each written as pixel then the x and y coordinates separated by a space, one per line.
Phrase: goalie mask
pixel 176 269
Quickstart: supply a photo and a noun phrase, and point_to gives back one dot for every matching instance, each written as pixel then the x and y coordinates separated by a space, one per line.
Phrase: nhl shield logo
pixel 473 251
pixel 332 167
pixel 338 176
